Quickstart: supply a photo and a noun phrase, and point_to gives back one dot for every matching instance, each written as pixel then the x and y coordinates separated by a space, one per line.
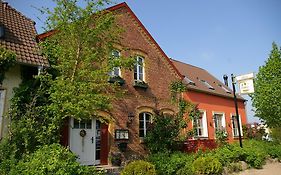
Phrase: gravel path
pixel 268 169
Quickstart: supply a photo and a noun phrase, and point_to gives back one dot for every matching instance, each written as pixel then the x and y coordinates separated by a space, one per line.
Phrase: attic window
pixel 207 84
pixel 2 31
pixel 188 81
pixel 225 89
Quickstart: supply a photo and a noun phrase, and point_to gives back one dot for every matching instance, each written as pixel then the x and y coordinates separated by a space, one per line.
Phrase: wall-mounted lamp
pixel 130 117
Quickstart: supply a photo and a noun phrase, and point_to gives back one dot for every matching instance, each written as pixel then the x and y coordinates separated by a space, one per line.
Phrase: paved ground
pixel 268 169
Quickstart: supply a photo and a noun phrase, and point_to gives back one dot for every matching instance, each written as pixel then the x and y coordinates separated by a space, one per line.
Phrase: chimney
pixel 225 78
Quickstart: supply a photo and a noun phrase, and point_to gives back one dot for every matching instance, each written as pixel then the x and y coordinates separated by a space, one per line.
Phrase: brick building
pixel 147 89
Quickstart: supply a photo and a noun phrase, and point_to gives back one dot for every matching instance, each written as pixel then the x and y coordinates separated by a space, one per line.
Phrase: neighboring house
pixel 215 102
pixel 147 89
pixel 18 35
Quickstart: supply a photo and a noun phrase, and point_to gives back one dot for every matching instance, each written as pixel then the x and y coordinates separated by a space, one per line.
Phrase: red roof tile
pixel 20 36
pixel 198 79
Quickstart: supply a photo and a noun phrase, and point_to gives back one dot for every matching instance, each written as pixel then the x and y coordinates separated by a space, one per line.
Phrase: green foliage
pixel 169 164
pixel 207 165
pixel 52 159
pixel 166 128
pixel 221 137
pixel 75 85
pixel 256 132
pixel 79 52
pixel 139 167
pixel 266 98
pixel 276 134
pixel 7 60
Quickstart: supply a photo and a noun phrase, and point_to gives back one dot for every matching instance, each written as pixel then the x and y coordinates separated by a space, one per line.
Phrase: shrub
pixel 166 128
pixel 139 167
pixel 207 165
pixel 52 159
pixel 169 164
pixel 186 170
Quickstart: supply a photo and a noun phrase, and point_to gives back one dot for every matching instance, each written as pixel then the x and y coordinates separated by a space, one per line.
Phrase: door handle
pixel 92 139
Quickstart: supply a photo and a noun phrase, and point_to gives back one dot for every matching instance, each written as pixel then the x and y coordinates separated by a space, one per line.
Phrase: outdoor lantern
pixel 2 31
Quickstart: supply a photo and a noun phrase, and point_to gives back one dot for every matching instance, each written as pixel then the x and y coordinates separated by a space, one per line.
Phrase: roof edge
pixel 115 7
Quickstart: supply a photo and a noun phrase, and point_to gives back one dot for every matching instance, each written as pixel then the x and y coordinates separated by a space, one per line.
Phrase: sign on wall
pixel 246 83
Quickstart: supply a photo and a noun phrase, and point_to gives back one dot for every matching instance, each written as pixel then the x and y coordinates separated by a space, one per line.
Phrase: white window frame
pixel 115 69
pixel 241 130
pixel 204 125
pixel 2 106
pixel 223 123
pixel 145 127
pixel 138 67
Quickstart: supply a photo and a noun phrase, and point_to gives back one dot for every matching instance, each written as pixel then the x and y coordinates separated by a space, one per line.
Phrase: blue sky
pixel 221 36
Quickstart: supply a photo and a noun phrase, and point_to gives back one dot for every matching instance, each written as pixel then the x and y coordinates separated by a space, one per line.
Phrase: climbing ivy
pixel 7 60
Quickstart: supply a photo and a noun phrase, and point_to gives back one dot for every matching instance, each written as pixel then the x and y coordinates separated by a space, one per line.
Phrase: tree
pixel 79 51
pixel 266 98
pixel 75 85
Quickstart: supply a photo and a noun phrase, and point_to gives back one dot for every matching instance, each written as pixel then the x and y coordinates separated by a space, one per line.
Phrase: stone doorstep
pixel 109 169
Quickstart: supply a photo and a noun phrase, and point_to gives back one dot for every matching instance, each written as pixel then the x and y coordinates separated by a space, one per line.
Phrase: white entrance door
pixel 85 138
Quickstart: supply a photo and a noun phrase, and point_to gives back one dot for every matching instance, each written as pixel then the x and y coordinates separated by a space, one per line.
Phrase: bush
pixel 166 128
pixel 139 167
pixel 52 159
pixel 186 170
pixel 207 165
pixel 169 164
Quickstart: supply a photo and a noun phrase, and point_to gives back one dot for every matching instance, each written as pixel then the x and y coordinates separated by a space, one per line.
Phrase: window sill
pixel 140 84
pixel 200 138
pixel 116 79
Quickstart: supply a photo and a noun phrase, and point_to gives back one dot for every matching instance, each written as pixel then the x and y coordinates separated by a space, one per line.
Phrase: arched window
pixel 144 121
pixel 139 69
pixel 116 71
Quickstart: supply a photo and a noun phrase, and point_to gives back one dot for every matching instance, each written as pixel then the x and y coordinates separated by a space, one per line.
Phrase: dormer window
pixel 116 70
pixel 188 81
pixel 207 84
pixel 225 89
pixel 139 69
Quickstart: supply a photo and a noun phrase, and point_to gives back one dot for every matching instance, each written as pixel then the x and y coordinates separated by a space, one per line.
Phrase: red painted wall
pixel 212 103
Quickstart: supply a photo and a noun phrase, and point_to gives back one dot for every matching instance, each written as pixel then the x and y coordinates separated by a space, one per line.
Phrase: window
pixel 82 124
pixel 219 121
pixel 235 126
pixel 139 69
pixel 200 125
pixel 188 81
pixel 144 121
pixel 225 89
pixel 116 70
pixel 207 84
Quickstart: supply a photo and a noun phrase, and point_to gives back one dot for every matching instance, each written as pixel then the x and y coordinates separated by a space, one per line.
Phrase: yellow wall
pixel 12 79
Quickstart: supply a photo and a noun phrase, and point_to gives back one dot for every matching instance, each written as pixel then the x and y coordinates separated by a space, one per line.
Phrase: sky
pixel 220 36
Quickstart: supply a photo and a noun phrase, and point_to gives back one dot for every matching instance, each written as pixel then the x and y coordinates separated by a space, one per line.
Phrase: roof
pixel 20 36
pixel 116 7
pixel 198 79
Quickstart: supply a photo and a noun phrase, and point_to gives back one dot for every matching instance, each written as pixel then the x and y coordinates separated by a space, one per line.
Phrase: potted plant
pixel 140 84
pixel 116 79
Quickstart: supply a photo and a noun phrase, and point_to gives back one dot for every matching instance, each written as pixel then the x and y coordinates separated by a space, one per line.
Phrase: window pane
pixel 141 134
pixel 89 124
pixel 141 125
pixel 76 124
pixel 141 116
pixel 82 124
pixel 116 53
